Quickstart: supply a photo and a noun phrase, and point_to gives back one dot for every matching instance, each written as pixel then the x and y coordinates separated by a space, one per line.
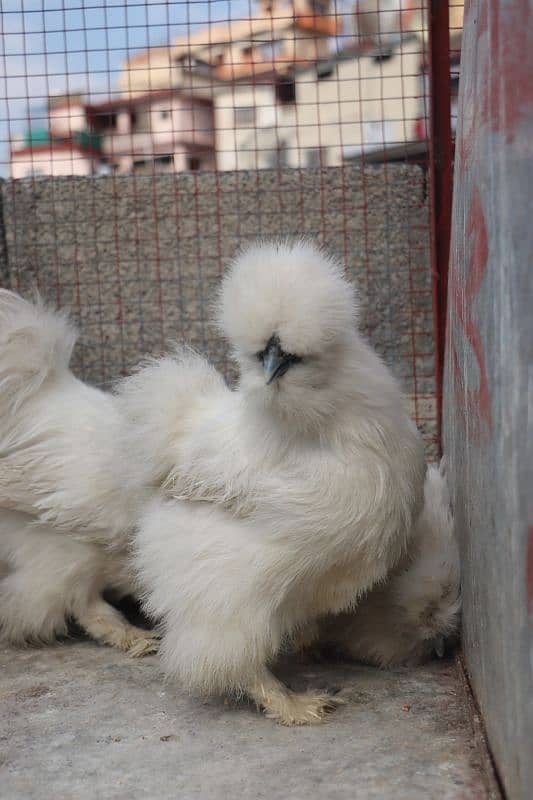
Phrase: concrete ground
pixel 82 721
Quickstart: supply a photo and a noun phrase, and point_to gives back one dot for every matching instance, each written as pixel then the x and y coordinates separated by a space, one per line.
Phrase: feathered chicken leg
pixel 287 707
pixel 107 625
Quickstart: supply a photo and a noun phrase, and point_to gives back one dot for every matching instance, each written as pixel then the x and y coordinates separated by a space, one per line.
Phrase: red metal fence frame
pixel 441 177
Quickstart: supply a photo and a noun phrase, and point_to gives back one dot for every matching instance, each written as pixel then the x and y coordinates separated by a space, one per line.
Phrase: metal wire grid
pixel 298 98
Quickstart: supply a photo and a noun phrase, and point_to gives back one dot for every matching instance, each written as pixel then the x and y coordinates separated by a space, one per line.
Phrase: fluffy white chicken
pixel 308 477
pixel 415 612
pixel 66 507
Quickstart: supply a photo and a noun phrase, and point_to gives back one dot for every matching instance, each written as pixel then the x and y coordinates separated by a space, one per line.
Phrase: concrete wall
pixel 487 438
pixel 137 258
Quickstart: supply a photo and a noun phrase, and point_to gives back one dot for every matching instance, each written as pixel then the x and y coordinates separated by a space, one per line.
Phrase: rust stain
pixel 509 100
pixel 474 404
pixel 495 101
pixel 502 95
pixel 507 95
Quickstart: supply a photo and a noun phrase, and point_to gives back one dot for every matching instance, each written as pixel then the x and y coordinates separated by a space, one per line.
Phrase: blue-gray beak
pixel 275 362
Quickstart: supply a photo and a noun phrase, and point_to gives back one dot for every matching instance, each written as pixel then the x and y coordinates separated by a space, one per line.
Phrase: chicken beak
pixel 275 363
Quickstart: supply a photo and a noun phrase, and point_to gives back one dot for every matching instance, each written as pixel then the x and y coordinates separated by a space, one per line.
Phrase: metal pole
pixel 441 175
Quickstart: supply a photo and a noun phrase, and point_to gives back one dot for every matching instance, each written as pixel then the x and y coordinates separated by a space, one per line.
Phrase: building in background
pixel 324 112
pixel 285 87
pixel 280 33
pixel 163 118
pixel 384 23
pixel 166 131
pixel 67 146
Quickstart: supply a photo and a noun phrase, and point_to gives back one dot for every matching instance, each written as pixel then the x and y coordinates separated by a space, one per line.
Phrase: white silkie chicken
pixel 62 462
pixel 66 506
pixel 308 477
pixel 415 612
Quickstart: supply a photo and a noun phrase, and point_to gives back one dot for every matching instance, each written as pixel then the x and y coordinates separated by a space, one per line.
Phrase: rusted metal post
pixel 441 174
pixel 487 378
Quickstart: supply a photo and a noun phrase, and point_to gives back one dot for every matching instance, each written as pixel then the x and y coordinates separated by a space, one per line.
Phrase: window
pixel 105 121
pixel 246 53
pixel 190 62
pixel 193 163
pixel 320 6
pixel 278 158
pixel 385 54
pixel 378 134
pixel 285 90
pixel 317 157
pixel 104 167
pixel 325 69
pixel 164 113
pixel 133 119
pixel 244 116
pixel 140 165
pixel 270 51
pixel 164 163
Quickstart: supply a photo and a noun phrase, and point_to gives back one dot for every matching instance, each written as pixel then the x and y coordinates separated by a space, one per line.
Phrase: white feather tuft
pixel 36 345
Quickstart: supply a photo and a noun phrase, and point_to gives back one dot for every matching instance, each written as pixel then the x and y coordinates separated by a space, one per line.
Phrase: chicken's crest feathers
pixel 289 288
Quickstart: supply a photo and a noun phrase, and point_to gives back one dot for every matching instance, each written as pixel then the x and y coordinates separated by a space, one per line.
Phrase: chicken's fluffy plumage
pixel 415 612
pixel 66 509
pixel 58 436
pixel 308 477
pixel 256 511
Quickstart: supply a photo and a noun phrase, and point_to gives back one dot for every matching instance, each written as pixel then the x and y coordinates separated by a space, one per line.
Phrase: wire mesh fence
pixel 145 142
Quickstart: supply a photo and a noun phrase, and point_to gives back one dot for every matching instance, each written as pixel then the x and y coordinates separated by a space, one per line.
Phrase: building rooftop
pixel 108 106
pixel 227 31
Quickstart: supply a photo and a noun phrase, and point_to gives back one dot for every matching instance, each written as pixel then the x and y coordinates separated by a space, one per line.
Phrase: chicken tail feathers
pixel 36 344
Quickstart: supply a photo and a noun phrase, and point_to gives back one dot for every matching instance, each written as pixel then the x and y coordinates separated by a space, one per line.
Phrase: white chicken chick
pixel 66 508
pixel 309 477
pixel 416 611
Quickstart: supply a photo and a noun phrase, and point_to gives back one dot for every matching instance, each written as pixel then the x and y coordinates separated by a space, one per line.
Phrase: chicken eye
pixel 295 359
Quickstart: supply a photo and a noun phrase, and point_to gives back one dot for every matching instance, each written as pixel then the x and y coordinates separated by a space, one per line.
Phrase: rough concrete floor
pixel 82 721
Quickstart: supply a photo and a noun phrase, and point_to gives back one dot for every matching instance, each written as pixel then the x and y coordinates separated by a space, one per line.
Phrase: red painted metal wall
pixel 486 386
